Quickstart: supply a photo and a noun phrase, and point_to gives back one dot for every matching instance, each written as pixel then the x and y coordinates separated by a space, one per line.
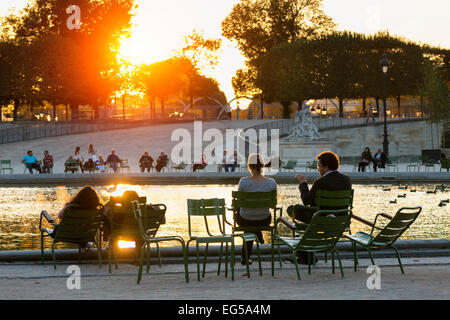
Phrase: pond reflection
pixel 20 208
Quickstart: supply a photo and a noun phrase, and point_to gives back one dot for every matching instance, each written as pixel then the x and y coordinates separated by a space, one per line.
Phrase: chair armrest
pixel 47 217
pixel 385 215
pixel 287 223
pixel 363 221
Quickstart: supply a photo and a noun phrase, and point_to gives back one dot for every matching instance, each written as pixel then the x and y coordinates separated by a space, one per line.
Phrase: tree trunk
pixel 75 113
pixel 399 97
pixel 341 108
pixel 162 107
pixel 54 110
pixel 123 106
pixel 432 140
pixel 377 100
pixel 262 107
pixel 364 107
pixel 286 109
pixel 300 104
pixel 191 104
pixel 67 112
pixel 16 109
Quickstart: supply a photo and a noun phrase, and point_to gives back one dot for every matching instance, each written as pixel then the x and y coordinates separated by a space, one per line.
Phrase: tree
pixel 259 25
pixel 436 93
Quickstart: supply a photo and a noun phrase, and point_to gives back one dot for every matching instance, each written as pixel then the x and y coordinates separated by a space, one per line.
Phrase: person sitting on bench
pixel 31 162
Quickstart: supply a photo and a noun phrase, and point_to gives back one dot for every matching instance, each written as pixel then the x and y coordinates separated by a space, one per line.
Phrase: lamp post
pixel 384 63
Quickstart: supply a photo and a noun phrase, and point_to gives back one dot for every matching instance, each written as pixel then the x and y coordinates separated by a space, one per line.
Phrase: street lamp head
pixel 384 63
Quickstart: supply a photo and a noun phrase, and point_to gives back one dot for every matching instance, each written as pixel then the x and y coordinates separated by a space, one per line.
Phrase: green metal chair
pixel 256 200
pixel 311 165
pixel 392 162
pixel 77 226
pixel 414 162
pixel 179 167
pixel 71 165
pixel 427 163
pixel 445 164
pixel 210 208
pixel 387 235
pixel 148 225
pixel 123 225
pixel 290 165
pixel 321 235
pixel 6 165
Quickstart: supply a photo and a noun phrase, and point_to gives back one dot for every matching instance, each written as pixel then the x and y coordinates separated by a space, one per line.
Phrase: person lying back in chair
pixel 330 179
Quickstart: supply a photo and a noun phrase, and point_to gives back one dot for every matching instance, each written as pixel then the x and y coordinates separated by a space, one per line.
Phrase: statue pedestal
pixel 303 151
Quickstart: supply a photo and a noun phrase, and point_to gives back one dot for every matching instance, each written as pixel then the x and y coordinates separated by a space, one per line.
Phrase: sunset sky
pixel 160 26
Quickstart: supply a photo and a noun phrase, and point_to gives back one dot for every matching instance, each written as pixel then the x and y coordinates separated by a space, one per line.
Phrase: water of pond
pixel 20 208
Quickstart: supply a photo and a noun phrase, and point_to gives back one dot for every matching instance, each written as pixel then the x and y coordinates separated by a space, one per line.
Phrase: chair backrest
pixel 121 216
pixel 445 163
pixel 340 199
pixel 414 159
pixel 205 208
pixel 313 164
pixel 325 229
pixel 78 225
pixel 392 160
pixel 71 162
pixel 396 227
pixel 148 218
pixel 291 163
pixel 254 200
pixel 6 163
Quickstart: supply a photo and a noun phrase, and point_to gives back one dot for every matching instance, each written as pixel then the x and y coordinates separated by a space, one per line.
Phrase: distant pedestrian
pixel 113 160
pixel 31 162
pixel 47 162
pixel 229 112
pixel 77 156
pixel 366 157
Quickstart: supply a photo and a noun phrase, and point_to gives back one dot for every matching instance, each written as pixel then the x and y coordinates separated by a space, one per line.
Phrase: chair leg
pixel 279 257
pixel 79 254
pixel 109 255
pixel 115 257
pixel 185 260
pixel 309 262
pixel 294 257
pixel 141 262
pixel 226 260
pixel 399 260
pixel 159 255
pixel 204 260
pixel 198 261
pixel 272 252
pixel 244 247
pixel 340 263
pixel 232 260
pixel 259 257
pixel 355 256
pixel 148 257
pixel 332 261
pixel 220 259
pixel 99 248
pixel 370 255
pixel 53 255
pixel 42 248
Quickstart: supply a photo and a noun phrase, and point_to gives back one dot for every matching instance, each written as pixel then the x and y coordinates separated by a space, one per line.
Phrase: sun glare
pixel 126 244
pixel 119 189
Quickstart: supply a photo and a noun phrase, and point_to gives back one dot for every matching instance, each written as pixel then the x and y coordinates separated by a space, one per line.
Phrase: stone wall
pixel 405 138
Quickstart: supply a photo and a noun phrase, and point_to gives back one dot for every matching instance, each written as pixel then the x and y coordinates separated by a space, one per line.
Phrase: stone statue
pixel 304 127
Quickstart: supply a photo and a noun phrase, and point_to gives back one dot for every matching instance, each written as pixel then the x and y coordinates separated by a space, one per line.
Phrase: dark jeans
pixel 252 223
pixel 31 166
pixel 146 166
pixel 232 166
pixel 362 166
pixel 377 164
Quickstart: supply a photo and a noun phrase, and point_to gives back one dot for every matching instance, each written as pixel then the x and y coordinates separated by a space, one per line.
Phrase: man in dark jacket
pixel 330 179
pixel 379 160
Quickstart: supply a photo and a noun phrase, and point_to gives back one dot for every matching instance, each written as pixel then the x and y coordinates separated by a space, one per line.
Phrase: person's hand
pixel 300 178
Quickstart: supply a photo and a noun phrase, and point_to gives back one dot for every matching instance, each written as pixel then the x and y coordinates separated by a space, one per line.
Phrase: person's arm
pixel 308 196
pixel 60 213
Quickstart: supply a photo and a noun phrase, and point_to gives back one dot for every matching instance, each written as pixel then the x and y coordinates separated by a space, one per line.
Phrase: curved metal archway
pixel 237 98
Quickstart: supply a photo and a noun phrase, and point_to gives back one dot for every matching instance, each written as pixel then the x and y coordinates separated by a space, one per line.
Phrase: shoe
pixel 249 262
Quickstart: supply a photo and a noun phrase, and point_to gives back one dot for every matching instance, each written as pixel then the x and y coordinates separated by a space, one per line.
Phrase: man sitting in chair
pixel 330 179
pixel 31 162
pixel 379 160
